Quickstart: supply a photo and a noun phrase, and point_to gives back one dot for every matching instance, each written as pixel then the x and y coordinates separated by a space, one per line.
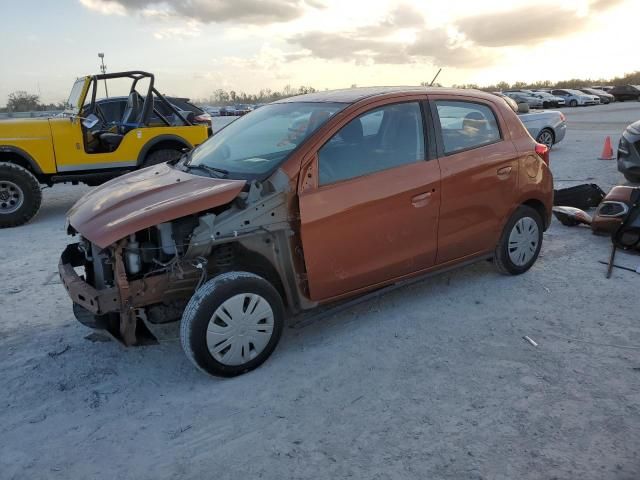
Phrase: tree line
pixel 627 79
pixel 22 101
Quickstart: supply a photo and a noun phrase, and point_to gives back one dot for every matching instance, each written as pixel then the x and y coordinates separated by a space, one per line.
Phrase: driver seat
pixel 131 115
pixel 110 141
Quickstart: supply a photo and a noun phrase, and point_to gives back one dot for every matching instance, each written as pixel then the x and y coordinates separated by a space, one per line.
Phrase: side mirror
pixel 523 108
pixel 91 121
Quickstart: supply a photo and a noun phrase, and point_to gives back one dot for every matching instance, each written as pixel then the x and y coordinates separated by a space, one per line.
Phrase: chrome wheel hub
pixel 11 197
pixel 240 329
pixel 523 241
pixel 546 139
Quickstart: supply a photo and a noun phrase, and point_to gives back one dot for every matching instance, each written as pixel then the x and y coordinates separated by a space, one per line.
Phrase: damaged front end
pixel 148 276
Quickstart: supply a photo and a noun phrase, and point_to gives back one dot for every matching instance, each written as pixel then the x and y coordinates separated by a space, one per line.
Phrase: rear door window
pixel 466 125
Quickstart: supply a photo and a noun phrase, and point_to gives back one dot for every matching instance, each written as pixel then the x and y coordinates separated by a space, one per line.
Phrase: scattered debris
pixel 587 195
pixel 97 337
pixel 530 340
pixel 38 418
pixel 571 216
pixel 57 354
pixel 176 433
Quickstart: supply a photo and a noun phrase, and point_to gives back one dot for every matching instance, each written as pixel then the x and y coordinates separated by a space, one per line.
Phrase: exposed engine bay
pixel 149 276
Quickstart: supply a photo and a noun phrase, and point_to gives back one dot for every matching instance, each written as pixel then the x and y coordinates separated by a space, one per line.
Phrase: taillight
pixel 562 117
pixel 543 152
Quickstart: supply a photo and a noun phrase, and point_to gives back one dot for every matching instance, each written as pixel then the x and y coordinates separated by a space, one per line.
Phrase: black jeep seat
pixel 110 141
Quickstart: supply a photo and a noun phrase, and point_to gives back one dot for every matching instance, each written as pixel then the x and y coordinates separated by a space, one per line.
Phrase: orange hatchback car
pixel 304 202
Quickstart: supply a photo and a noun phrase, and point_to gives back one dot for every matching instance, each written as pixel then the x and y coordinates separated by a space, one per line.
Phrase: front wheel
pixel 232 324
pixel 520 242
pixel 20 195
pixel 573 103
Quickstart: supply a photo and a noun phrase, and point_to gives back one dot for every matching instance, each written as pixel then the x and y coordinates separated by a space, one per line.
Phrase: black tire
pixel 543 137
pixel 163 155
pixel 18 184
pixel 200 311
pixel 573 103
pixel 502 258
pixel 632 178
pixel 545 105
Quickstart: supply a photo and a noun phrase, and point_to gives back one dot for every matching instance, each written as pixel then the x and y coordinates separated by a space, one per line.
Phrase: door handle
pixel 421 199
pixel 504 171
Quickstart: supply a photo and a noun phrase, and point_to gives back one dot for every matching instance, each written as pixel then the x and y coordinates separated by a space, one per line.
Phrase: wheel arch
pixel 539 207
pixel 549 129
pixel 166 141
pixel 17 156
pixel 247 260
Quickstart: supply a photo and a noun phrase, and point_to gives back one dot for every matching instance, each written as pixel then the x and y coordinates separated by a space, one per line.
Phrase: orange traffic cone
pixel 607 151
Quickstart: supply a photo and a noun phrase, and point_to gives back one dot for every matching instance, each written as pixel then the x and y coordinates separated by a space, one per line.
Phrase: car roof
pixel 353 95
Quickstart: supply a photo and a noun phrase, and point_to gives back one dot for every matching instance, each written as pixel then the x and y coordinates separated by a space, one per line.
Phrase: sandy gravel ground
pixel 430 381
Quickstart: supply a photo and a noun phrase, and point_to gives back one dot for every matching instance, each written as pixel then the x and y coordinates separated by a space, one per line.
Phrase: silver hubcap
pixel 11 197
pixel 523 241
pixel 546 139
pixel 240 329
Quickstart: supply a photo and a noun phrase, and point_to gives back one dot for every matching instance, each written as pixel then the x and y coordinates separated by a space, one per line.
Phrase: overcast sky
pixel 197 46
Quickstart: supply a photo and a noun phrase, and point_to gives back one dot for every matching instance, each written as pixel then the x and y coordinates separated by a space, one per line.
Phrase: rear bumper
pixel 560 132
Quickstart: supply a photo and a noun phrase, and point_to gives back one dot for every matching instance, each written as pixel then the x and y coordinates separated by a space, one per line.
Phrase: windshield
pixel 257 143
pixel 74 96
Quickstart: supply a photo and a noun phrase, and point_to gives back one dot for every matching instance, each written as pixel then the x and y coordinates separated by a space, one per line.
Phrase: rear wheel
pixel 546 137
pixel 161 156
pixel 232 324
pixel 20 195
pixel 520 242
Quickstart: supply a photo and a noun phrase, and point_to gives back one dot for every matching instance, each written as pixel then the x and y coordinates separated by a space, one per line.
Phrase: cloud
pixel 522 26
pixel 378 43
pixel 104 7
pixel 258 12
pixel 528 25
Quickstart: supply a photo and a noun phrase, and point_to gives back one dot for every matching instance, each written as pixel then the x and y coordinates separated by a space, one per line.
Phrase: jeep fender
pixel 160 139
pixel 31 163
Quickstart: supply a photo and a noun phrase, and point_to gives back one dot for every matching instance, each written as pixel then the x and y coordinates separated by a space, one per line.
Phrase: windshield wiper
pixel 208 169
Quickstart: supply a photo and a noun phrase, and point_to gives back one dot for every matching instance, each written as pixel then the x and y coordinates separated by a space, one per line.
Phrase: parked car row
pixel 559 97
pixel 231 110
pixel 548 127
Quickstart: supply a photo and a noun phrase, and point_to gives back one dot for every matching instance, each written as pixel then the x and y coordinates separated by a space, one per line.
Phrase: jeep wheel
pixel 161 156
pixel 232 324
pixel 520 242
pixel 20 195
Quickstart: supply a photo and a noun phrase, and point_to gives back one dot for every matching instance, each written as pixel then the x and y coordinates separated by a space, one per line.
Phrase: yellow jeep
pixel 87 144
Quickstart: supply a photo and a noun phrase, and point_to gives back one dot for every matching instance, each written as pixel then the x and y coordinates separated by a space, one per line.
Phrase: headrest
pixel 352 131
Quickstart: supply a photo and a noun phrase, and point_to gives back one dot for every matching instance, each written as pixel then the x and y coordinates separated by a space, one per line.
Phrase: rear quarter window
pixel 466 125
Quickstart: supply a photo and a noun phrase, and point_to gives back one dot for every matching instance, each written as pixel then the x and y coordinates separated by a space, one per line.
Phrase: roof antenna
pixel 434 78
